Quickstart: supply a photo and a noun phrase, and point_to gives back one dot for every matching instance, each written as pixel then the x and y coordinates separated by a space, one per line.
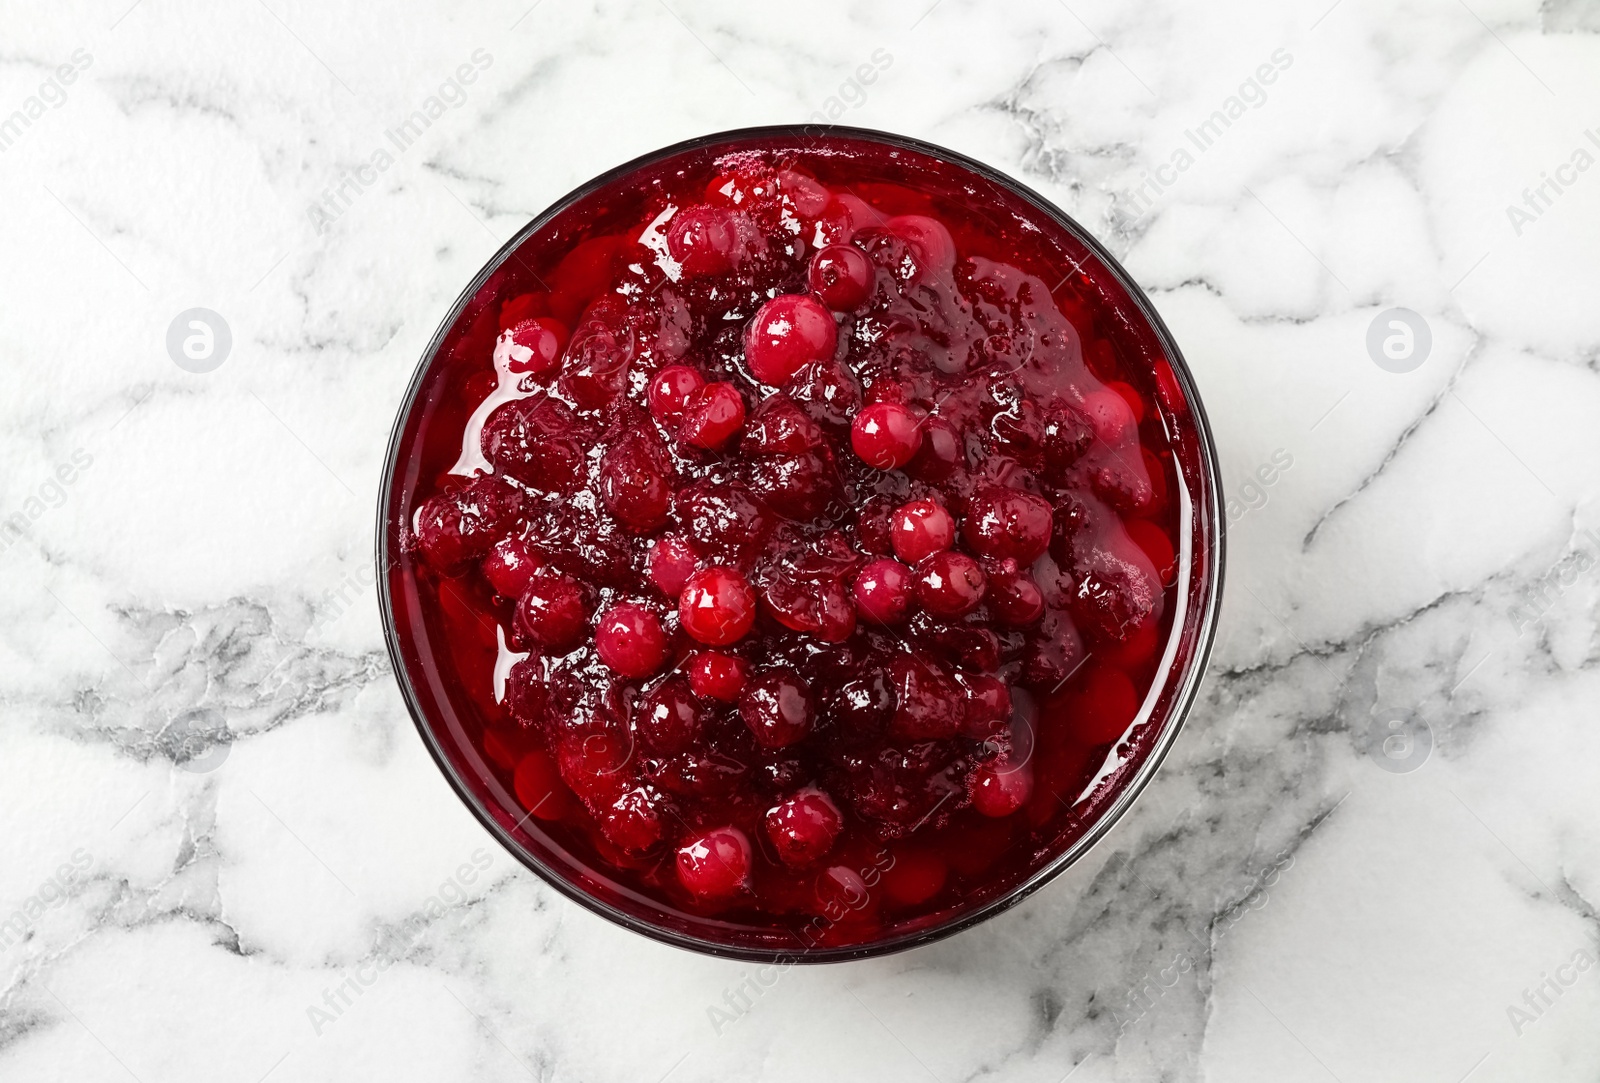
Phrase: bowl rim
pixel 1182 703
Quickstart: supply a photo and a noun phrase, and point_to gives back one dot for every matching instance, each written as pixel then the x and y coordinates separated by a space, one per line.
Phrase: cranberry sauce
pixel 788 537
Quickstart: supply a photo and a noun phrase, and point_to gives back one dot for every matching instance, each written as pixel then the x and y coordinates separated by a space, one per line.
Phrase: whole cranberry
pixel 596 363
pixel 778 709
pixel 510 566
pixel 633 823
pixel 669 719
pixel 724 519
pixel 703 239
pixel 998 789
pixel 874 530
pixel 533 347
pixel 798 487
pixel 513 310
pixel 538 441
pixel 841 892
pixel 886 435
pixel 718 676
pixel 929 238
pixel 1114 599
pixel 1013 595
pixel 808 195
pixel 840 276
pixel 987 707
pixel 461 524
pixel 630 640
pixel 828 391
pixel 883 591
pixel 1006 523
pixel 1103 706
pixel 591 765
pixel 1067 435
pixel 787 333
pixel 670 564
pixel 928 703
pixel 539 788
pixel 716 865
pixel 712 416
pixel 940 452
pixel 635 481
pixel 950 584
pixel 779 427
pixel 670 392
pixel 861 708
pixel 527 694
pixel 921 528
pixel 554 613
pixel 804 827
pixel 1110 416
pixel 717 606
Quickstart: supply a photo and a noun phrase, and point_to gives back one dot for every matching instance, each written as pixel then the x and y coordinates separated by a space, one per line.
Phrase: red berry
pixel 712 416
pixel 786 334
pixel 930 240
pixel 1110 416
pixel 596 363
pixel 539 787
pixel 633 822
pixel 939 453
pixel 807 194
pixel 778 709
pixel 1003 522
pixel 1103 707
pixel 554 613
pixel 461 524
pixel 1156 545
pixel 1134 651
pixel 635 481
pixel 804 827
pixel 513 310
pixel 921 528
pixel 716 865
pixel 533 347
pixel 885 435
pixel 843 896
pixel 841 276
pixel 703 239
pixel 1013 595
pixel 928 703
pixel 527 693
pixel 883 591
pixel 950 584
pixel 987 707
pixel 779 427
pixel 537 441
pixel 510 566
pixel 670 564
pixel 998 789
pixel 1129 396
pixel 670 392
pixel 745 184
pixel 630 640
pixel 669 719
pixel 717 606
pixel 718 676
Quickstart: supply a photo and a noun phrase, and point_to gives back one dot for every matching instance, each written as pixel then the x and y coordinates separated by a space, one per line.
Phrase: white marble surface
pixel 1277 907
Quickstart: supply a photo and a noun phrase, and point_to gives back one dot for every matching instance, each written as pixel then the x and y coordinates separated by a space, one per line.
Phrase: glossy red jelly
pixel 800 546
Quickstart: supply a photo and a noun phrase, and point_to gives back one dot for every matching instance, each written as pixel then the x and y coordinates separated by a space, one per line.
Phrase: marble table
pixel 1374 852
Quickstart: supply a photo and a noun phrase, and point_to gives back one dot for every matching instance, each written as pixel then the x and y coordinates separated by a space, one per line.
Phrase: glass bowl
pixel 442 672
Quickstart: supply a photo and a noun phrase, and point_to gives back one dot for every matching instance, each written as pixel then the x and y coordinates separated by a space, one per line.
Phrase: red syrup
pixel 789 534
